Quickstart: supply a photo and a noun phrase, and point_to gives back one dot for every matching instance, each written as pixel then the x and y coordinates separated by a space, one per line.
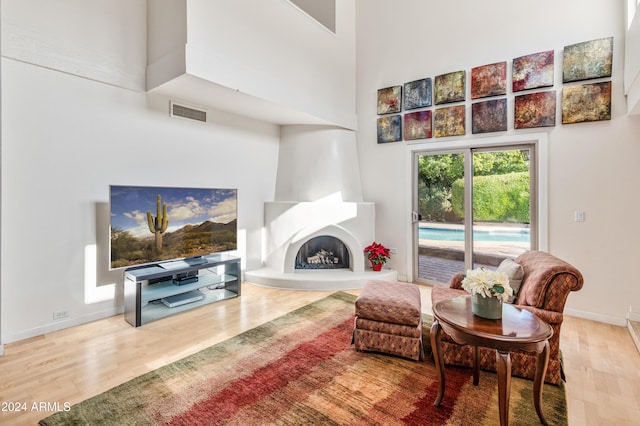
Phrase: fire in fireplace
pixel 324 252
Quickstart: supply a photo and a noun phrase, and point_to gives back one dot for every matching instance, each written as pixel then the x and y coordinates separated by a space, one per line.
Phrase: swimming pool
pixel 519 235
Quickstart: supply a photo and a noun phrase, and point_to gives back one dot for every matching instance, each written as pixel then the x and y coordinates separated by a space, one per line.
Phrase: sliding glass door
pixel 472 207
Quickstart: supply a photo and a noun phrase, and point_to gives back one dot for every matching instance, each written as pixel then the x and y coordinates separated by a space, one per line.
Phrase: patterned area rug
pixel 301 369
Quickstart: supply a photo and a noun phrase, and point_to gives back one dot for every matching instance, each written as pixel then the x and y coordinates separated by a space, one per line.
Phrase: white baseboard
pixel 634 336
pixel 1 349
pixel 60 325
pixel 619 321
pixel 634 316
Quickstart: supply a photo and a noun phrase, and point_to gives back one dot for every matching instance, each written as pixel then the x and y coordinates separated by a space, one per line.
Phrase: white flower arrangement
pixel 488 283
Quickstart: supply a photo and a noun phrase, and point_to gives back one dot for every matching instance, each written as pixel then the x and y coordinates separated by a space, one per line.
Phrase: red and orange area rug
pixel 301 369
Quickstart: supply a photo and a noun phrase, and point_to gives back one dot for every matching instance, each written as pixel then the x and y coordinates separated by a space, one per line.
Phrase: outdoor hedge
pixel 497 198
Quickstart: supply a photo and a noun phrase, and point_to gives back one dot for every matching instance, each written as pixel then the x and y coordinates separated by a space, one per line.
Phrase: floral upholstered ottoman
pixel 389 319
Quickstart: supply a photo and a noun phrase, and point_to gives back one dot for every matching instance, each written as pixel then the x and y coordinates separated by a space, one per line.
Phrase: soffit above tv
pixel 271 63
pixel 190 90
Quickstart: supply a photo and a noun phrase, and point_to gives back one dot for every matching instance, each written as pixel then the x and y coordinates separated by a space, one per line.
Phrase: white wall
pixel 592 166
pixel 632 61
pixel 66 136
pixel 100 40
pixel 65 139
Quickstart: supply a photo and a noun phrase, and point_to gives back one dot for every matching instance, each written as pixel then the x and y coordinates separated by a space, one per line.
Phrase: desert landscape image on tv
pixel 151 224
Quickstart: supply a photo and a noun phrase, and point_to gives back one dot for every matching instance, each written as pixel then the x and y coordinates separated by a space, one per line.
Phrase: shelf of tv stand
pixel 157 310
pixel 145 286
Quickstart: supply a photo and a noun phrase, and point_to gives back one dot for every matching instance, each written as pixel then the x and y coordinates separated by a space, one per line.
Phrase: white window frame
pixel 541 142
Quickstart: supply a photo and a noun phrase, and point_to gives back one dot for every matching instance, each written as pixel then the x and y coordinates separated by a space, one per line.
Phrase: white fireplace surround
pixel 318 193
pixel 348 222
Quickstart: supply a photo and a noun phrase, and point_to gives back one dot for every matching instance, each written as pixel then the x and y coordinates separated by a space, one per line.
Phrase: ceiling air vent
pixel 178 110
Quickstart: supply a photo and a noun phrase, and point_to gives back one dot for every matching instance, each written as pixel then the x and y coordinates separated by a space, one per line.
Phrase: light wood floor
pixel 68 366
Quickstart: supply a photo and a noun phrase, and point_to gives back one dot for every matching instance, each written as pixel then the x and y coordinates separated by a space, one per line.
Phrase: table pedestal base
pixel 503 367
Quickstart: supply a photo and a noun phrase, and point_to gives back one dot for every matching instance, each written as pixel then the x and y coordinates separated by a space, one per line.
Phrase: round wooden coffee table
pixel 518 329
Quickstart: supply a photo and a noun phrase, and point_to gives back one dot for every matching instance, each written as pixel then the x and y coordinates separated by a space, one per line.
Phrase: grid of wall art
pixel 422 110
pixel 587 101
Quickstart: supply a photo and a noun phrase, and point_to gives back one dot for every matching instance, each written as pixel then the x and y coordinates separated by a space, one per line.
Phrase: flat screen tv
pixel 153 224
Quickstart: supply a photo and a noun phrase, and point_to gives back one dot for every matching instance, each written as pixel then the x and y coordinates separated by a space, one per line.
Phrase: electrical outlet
pixel 578 216
pixel 58 315
pixel 393 250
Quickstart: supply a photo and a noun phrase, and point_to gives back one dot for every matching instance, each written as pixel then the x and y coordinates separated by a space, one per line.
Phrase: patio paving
pixel 438 270
pixel 441 270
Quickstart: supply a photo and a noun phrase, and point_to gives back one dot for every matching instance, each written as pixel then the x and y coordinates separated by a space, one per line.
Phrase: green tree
pixel 496 198
pixel 437 173
pixel 499 163
pixel 440 171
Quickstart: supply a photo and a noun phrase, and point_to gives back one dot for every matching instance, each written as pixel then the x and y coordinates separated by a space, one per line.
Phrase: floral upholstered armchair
pixel 546 284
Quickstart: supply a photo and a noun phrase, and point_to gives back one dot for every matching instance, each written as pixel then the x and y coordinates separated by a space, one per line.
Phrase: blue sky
pixel 129 206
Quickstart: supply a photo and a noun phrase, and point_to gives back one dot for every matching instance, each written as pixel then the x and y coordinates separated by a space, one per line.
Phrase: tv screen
pixel 152 224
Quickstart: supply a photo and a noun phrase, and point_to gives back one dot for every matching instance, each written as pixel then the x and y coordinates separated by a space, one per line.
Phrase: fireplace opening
pixel 324 252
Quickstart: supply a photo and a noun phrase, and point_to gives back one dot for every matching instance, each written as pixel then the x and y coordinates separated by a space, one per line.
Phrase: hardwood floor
pixel 68 366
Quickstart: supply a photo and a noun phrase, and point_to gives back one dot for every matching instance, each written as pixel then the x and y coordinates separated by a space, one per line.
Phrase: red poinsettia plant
pixel 377 253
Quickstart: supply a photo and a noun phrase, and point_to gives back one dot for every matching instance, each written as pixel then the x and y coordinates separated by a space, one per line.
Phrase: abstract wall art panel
pixel 390 129
pixel 417 125
pixel 587 60
pixel 450 87
pixel 489 116
pixel 489 80
pixel 417 94
pixel 449 121
pixel 586 102
pixel 535 110
pixel 389 100
pixel 533 71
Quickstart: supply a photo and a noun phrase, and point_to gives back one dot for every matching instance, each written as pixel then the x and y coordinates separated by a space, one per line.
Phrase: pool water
pixel 520 235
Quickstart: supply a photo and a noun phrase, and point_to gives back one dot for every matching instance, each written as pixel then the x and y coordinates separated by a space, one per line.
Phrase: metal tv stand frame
pixel 217 276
